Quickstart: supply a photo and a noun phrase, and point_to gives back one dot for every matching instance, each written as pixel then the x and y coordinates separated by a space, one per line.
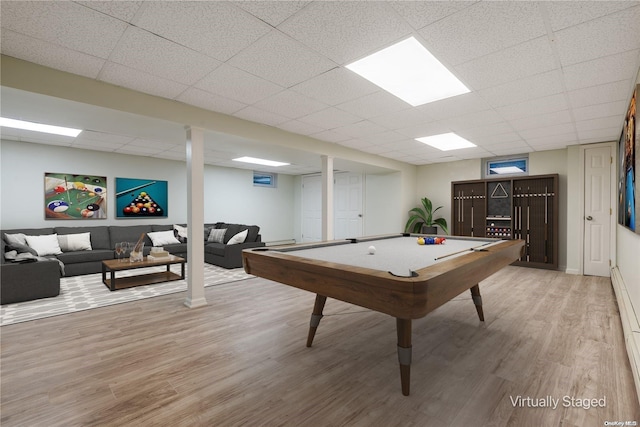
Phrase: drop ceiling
pixel 542 75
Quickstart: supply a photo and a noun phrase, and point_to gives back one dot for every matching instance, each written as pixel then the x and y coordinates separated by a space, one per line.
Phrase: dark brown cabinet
pixel 511 208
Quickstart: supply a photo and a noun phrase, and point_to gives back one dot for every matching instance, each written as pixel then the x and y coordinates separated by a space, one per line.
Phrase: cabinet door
pixel 469 209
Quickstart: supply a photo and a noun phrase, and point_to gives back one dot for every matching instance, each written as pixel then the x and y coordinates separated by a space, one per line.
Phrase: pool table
pixel 400 278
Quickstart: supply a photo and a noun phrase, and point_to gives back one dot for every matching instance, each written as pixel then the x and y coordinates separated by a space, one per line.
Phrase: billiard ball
pixel 140 205
pixel 58 206
pixel 372 250
pixel 152 210
pixel 135 209
pixel 86 213
pixel 59 189
pixel 93 207
pixel 127 209
pixel 421 240
pixel 147 205
pixel 143 193
pixel 92 194
pixel 97 190
pixel 96 180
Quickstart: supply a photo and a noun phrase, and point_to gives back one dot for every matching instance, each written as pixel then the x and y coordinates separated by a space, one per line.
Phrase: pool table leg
pixel 315 317
pixel 477 300
pixel 404 353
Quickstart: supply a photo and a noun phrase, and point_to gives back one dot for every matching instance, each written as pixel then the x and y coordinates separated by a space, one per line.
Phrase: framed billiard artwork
pixel 141 198
pixel 72 196
pixel 629 162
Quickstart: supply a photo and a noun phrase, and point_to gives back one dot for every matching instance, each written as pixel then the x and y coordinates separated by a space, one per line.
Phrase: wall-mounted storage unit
pixel 511 208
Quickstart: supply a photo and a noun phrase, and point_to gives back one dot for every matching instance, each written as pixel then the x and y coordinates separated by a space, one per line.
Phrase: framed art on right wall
pixel 628 202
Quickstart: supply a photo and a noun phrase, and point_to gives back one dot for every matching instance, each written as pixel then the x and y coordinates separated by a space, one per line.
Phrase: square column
pixel 195 218
pixel 327 198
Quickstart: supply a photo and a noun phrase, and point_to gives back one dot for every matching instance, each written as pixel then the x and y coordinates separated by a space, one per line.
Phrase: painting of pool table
pixel 141 198
pixel 71 196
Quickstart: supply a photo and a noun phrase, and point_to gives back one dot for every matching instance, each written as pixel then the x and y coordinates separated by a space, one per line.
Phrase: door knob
pixel 589 218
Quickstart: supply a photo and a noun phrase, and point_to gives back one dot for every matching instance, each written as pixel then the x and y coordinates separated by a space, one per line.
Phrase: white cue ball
pixel 372 250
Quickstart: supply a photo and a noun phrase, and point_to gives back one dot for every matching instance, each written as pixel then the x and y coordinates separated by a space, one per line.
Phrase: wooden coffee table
pixel 113 265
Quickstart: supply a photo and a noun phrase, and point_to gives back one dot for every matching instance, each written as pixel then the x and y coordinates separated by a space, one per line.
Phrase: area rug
pixel 86 292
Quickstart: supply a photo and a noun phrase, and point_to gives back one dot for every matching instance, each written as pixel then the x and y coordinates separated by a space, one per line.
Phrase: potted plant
pixel 421 219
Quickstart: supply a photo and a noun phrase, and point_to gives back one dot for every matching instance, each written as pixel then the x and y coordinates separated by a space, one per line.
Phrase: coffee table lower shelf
pixel 115 283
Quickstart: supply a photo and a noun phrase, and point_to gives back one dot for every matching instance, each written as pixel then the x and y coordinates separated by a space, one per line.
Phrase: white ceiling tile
pixel 615 33
pixel 260 116
pixel 421 13
pixel 485 131
pixel 618 108
pixel 361 129
pixel 124 10
pixel 481 29
pixel 301 128
pixel 425 129
pixel 210 101
pixel 457 105
pixel 218 29
pixel 345 31
pixel 374 105
pixel 519 145
pixel 537 86
pixel 66 24
pixel 600 123
pixel 547 104
pixel 330 136
pixel 567 138
pixel 601 94
pixel 561 129
pixel 272 12
pixel 236 84
pixel 154 144
pixel 403 118
pixel 506 138
pixel 473 120
pixel 50 55
pixel 385 137
pixel 336 86
pixel 282 60
pixel 356 144
pixel 541 120
pixel 133 79
pixel 508 151
pixel 376 149
pixel 330 118
pixel 140 151
pixel 563 14
pixel 155 55
pixel 290 104
pixel 514 63
pixel 603 70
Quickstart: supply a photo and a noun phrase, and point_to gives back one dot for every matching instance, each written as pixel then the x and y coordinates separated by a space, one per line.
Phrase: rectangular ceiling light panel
pixel 38 127
pixel 446 141
pixel 410 72
pixel 257 161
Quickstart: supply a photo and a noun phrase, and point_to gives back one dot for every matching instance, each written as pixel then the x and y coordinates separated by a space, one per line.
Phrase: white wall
pixel 383 201
pixel 229 193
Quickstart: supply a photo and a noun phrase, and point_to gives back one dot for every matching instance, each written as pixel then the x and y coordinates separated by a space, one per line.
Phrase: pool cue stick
pixel 463 250
pixel 528 222
pixel 122 193
pixel 546 224
pixel 66 186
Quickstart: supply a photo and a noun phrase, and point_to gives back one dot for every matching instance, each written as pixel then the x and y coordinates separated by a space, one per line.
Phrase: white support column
pixel 327 198
pixel 195 217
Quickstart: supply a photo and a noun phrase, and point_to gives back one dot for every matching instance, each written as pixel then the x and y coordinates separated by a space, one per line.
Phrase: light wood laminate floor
pixel 242 360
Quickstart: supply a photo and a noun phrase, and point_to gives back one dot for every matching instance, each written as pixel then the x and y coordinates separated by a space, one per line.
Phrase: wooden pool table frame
pixel 404 298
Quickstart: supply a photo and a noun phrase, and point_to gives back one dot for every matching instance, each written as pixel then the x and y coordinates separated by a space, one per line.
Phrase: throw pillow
pixel 180 232
pixel 75 242
pixel 17 239
pixel 238 238
pixel 161 238
pixel 216 235
pixel 44 245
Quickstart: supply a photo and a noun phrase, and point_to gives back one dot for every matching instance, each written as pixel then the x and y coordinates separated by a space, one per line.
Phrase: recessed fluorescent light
pixel 507 169
pixel 410 72
pixel 38 127
pixel 260 161
pixel 446 141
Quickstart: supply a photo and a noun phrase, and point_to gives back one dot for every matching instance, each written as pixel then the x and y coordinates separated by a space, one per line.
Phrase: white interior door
pixel 347 205
pixel 311 208
pixel 597 211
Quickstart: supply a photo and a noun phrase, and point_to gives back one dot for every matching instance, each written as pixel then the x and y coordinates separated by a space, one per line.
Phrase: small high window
pixel 264 179
pixel 506 166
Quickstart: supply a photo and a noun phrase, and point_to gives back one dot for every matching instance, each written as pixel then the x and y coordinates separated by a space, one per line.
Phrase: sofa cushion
pixel 216 235
pixel 74 242
pixel 181 232
pixel 130 233
pixel 238 238
pixel 215 248
pixel 16 242
pixel 44 245
pixel 99 235
pixel 161 238
pixel 77 257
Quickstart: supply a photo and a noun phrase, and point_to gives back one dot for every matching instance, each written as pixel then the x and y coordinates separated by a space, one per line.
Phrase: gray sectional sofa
pixel 24 281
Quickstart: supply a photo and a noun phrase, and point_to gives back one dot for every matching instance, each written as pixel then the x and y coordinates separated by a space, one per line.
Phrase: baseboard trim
pixel 571 271
pixel 630 325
